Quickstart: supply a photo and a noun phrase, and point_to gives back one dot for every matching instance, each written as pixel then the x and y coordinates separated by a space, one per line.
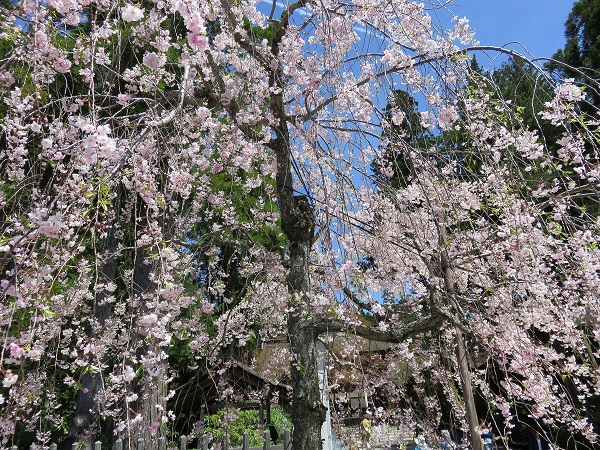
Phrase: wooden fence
pixel 183 444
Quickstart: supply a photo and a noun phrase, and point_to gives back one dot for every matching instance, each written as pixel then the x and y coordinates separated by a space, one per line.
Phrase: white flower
pixel 128 373
pixel 398 117
pixel 130 13
pixel 9 379
pixel 52 226
pixel 568 92
pixel 152 61
pixel 148 320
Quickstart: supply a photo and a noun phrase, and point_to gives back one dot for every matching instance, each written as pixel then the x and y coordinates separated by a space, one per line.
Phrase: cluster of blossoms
pixel 560 108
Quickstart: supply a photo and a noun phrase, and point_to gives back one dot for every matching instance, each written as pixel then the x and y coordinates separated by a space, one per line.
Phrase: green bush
pixel 236 422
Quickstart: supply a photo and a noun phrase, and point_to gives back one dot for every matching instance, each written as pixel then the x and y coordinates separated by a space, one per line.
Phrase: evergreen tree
pixel 581 53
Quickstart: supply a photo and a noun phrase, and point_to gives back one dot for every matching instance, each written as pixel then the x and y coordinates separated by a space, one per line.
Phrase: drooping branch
pixel 393 336
pixel 419 60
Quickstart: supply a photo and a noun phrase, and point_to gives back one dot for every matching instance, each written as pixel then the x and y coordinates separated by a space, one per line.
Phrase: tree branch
pixel 395 336
pixel 352 296
pixel 284 21
pixel 415 63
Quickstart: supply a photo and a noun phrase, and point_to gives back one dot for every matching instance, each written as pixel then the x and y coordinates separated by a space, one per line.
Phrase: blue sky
pixel 537 24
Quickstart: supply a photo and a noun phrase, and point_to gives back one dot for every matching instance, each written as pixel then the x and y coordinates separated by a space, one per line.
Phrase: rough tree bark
pixel 465 383
pixel 308 412
pixel 151 398
pixel 298 223
pixel 464 370
pixel 87 416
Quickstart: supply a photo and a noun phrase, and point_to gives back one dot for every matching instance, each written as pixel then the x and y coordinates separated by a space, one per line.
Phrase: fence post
pixel 140 444
pixel 162 443
pixel 183 443
pixel 97 445
pixel 118 444
pixel 204 443
pixel 226 442
pixel 53 447
pixel 287 440
pixel 245 441
pixel 267 436
pixel 14 447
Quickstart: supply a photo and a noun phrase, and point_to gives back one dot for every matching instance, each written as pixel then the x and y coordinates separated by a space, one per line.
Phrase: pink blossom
pixel 130 13
pixel 124 99
pixel 51 226
pixel 207 308
pixel 103 130
pixel 62 65
pixel 568 92
pixel 9 379
pixel 195 23
pixel 16 351
pixel 203 113
pixel 447 115
pixel 198 41
pixel 128 373
pixel 148 320
pixel 336 23
pixel 427 119
pixel 398 117
pixel 151 60
pixel 6 78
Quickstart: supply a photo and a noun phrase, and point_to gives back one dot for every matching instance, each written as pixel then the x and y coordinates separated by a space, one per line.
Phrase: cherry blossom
pixel 131 13
pixel 202 181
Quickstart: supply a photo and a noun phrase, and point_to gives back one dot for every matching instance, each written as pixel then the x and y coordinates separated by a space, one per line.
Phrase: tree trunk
pixel 465 382
pixel 308 412
pixel 86 421
pixel 464 370
pixel 298 223
pixel 151 389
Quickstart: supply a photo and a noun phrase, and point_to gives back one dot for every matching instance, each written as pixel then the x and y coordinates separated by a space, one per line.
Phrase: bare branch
pixel 352 296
